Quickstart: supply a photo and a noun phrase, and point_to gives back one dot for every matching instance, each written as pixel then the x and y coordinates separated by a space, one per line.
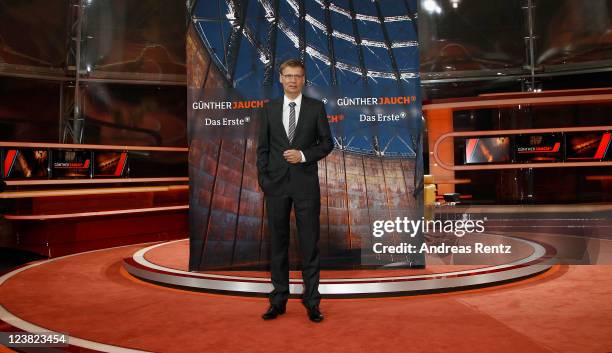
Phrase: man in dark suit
pixel 294 135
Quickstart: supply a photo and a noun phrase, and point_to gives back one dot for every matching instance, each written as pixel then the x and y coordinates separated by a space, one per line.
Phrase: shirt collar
pixel 297 100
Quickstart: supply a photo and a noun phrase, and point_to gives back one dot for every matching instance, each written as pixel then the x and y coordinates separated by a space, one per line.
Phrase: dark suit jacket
pixel 312 137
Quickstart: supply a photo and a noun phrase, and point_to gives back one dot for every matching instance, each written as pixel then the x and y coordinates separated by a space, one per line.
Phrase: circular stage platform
pixel 166 264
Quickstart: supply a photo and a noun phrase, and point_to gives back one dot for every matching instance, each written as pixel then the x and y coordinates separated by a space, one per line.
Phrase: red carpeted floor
pixel 568 309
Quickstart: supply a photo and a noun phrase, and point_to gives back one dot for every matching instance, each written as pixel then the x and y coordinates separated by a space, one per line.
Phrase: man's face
pixel 292 79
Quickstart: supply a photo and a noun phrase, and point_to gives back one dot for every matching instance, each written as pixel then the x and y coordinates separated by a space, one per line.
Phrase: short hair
pixel 291 63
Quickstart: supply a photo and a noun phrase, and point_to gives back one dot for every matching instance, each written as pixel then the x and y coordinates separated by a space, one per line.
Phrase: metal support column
pixel 330 44
pixel 71 119
pixel 271 47
pixel 360 55
pixel 238 9
pixel 302 24
pixel 530 46
pixel 388 42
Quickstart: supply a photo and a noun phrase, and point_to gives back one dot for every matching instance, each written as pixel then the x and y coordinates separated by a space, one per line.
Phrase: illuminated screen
pixel 589 146
pixel 539 148
pixel 487 150
pixel 71 164
pixel 110 164
pixel 24 163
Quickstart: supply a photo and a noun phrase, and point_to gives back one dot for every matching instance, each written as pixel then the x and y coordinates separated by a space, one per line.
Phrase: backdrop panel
pixel 361 60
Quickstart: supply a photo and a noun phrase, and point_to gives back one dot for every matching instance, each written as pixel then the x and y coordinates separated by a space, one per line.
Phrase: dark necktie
pixel 291 132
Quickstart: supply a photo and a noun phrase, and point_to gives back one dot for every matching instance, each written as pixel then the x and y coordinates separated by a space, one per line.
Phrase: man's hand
pixel 293 156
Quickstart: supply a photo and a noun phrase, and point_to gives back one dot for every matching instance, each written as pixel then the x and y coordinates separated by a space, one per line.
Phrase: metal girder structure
pixel 349 38
pixel 376 146
pixel 344 143
pixel 294 38
pixel 302 29
pixel 272 17
pixel 410 149
pixel 388 42
pixel 330 44
pixel 530 45
pixel 360 55
pixel 237 17
pixel 72 30
pixel 67 109
pixel 191 6
pixel 71 119
pixel 298 39
pixel 529 77
pixel 412 17
pixel 363 17
pixel 286 29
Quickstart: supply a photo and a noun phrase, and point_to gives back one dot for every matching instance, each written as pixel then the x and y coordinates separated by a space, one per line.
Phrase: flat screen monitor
pixel 539 148
pixel 110 164
pixel 487 150
pixel 71 164
pixel 25 163
pixel 589 146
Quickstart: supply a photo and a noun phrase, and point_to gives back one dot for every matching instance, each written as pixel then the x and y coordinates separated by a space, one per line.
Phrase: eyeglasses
pixel 292 77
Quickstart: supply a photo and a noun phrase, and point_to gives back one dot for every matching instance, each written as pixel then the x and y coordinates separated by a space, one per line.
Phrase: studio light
pixel 432 7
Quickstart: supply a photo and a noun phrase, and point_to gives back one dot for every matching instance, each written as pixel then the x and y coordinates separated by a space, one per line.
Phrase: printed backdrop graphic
pixel 361 60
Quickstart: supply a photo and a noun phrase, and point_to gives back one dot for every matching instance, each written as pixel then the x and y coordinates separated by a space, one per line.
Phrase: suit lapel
pixel 277 113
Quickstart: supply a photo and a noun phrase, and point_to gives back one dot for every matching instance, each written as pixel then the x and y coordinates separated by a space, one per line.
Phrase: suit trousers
pixel 307 211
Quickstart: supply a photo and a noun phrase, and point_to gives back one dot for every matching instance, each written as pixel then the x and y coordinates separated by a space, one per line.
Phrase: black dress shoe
pixel 314 314
pixel 273 312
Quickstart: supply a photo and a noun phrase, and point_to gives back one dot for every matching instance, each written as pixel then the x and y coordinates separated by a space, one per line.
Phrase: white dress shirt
pixel 286 109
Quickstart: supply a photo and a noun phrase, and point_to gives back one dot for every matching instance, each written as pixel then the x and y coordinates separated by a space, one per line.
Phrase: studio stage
pixel 166 264
pixel 91 297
